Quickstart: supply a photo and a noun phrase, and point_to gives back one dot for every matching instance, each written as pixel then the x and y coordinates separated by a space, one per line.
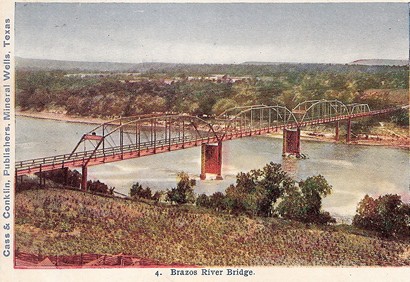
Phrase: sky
pixel 212 33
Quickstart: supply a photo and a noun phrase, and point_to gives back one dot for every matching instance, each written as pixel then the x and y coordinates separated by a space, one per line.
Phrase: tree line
pixel 173 91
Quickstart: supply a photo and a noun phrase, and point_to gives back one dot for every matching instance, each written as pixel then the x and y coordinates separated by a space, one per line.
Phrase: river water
pixel 352 170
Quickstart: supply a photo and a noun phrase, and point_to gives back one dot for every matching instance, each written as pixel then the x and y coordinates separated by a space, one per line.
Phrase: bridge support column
pixel 211 160
pixel 337 131
pixel 291 142
pixel 349 131
pixel 84 178
pixel 41 178
pixel 65 173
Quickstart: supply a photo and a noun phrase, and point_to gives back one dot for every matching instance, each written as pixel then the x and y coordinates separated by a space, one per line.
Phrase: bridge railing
pixel 81 157
pixel 84 155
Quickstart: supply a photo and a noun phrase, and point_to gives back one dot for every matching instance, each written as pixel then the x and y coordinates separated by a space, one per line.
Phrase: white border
pixel 8 273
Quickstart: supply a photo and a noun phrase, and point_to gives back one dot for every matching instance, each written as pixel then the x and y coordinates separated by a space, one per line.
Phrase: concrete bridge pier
pixel 211 160
pixel 291 142
pixel 84 178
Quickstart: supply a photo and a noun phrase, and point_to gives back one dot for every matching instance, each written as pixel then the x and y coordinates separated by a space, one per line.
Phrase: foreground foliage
pixel 304 202
pixel 64 222
pixel 387 215
pixel 64 177
pixel 184 192
pixel 257 192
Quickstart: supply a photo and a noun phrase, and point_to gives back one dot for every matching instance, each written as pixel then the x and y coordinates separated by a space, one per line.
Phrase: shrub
pixel 401 117
pixel 387 215
pixel 137 191
pixel 203 201
pixel 64 176
pixel 218 201
pixel 184 193
pixel 256 191
pixel 99 187
pixel 304 202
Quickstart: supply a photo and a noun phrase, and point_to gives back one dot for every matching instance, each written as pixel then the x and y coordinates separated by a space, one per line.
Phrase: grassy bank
pixel 67 222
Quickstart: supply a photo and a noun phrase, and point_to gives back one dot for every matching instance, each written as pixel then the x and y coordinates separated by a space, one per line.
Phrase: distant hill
pixel 265 63
pixel 245 68
pixel 40 64
pixel 380 62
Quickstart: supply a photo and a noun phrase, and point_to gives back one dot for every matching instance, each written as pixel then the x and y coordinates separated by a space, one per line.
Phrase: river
pixel 352 170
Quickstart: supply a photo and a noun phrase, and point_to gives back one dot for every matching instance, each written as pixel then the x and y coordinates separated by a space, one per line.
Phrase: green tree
pixel 387 215
pixel 274 181
pixel 245 95
pixel 304 202
pixel 64 176
pixel 256 191
pixel 223 105
pixel 135 189
pixel 269 91
pixel 218 201
pixel 246 196
pixel 401 117
pixel 157 196
pixel 184 192
pixel 97 186
pixel 203 201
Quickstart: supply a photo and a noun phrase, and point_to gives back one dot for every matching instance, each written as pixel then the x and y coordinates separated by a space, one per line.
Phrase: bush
pixel 184 193
pixel 64 176
pixel 387 215
pixel 203 201
pixel 256 191
pixel 218 201
pixel 139 192
pixel 99 187
pixel 304 202
pixel 401 117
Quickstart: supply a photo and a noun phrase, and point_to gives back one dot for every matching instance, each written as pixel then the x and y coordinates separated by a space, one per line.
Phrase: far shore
pixel 380 140
pixel 61 117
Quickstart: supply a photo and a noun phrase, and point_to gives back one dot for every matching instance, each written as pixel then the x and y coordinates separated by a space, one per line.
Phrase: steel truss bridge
pixel 143 135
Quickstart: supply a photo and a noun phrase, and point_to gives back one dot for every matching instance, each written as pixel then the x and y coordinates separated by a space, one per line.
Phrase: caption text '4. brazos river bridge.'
pixel 137 136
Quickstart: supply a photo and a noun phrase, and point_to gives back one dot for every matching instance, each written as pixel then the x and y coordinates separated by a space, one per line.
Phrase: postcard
pixel 180 141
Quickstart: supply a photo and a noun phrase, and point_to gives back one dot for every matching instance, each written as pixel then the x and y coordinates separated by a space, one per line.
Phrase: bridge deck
pixel 118 153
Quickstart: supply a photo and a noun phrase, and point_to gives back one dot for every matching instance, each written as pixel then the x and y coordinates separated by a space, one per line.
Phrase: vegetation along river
pixel 352 170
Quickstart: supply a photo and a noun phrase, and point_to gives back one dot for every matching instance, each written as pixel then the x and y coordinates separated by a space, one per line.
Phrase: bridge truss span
pixel 143 135
pixel 257 119
pixel 321 109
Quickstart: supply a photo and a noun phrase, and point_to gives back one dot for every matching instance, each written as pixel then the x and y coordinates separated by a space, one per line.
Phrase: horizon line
pixel 213 63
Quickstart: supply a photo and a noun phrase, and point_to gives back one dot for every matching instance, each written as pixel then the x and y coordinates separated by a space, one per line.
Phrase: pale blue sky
pixel 212 33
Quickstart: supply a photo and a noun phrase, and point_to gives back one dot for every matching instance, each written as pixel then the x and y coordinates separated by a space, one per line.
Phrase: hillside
pixel 364 62
pixel 49 65
pixel 71 222
pixel 246 68
pixel 380 62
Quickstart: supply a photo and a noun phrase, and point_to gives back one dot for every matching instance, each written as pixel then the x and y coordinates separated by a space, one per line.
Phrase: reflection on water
pixel 290 165
pixel 353 171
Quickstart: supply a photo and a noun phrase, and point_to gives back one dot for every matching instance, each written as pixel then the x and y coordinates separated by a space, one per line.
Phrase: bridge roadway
pixel 118 153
